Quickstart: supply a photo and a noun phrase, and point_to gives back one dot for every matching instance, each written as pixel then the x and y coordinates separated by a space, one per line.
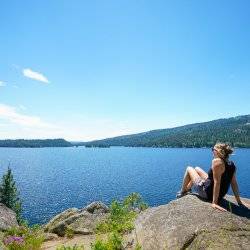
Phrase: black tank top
pixel 225 181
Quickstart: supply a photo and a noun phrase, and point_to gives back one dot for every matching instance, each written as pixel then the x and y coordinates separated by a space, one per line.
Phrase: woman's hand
pixel 244 204
pixel 215 206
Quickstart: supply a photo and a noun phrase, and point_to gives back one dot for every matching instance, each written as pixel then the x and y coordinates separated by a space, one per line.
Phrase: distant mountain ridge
pixel 234 130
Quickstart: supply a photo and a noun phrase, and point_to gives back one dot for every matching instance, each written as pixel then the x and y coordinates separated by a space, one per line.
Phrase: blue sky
pixel 83 70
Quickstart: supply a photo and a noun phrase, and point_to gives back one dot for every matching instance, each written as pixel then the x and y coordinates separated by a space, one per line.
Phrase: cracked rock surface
pixel 79 221
pixel 190 223
pixel 7 218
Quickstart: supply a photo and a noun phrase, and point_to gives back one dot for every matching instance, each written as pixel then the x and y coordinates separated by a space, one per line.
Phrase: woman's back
pixel 225 180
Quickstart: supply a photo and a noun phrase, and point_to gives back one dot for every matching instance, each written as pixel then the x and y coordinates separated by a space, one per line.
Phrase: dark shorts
pixel 200 188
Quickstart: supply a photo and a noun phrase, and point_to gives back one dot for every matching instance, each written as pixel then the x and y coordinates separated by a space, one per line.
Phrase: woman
pixel 213 185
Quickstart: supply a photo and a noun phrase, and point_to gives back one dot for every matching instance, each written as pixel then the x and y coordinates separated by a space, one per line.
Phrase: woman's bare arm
pixel 235 188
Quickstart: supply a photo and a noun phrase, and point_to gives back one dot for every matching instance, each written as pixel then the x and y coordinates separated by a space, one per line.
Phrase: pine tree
pixel 9 195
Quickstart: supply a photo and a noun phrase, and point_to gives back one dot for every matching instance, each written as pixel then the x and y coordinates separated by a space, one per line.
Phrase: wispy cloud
pixel 35 75
pixel 10 114
pixel 2 83
pixel 16 123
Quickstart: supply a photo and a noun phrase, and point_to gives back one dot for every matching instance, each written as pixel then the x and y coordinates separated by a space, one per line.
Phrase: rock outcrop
pixel 189 223
pixel 7 218
pixel 186 223
pixel 78 221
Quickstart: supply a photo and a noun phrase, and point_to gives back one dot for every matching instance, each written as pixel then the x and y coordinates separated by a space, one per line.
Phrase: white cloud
pixel 15 123
pixel 35 75
pixel 2 84
pixel 9 114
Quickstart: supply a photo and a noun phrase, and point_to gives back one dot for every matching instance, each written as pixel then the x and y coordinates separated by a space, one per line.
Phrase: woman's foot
pixel 183 193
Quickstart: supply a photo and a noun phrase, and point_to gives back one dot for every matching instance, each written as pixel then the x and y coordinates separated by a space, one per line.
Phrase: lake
pixel 51 180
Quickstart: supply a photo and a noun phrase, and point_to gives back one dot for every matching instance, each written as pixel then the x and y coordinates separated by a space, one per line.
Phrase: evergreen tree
pixel 9 195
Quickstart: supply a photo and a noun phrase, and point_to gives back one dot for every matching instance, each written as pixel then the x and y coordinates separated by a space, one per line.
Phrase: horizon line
pixel 126 134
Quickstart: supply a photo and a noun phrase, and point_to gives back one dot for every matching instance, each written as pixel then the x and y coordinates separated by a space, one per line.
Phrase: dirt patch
pixel 84 240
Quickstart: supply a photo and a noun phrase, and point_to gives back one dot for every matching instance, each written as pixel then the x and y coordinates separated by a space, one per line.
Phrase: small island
pixel 97 146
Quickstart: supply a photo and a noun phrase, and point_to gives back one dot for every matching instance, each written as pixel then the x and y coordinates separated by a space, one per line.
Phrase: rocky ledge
pixel 186 223
pixel 7 218
pixel 78 221
pixel 190 223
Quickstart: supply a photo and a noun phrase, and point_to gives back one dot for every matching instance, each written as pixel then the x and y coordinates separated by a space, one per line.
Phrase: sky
pixel 84 70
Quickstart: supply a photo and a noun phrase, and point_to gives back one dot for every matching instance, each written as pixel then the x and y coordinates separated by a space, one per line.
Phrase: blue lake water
pixel 51 180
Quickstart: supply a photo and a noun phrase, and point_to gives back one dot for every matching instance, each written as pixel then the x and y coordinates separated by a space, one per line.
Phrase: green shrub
pixel 75 247
pixel 133 201
pixel 69 233
pixel 23 238
pixel 138 247
pixel 230 206
pixel 1 245
pixel 120 220
pixel 122 215
pixel 114 242
pixel 9 194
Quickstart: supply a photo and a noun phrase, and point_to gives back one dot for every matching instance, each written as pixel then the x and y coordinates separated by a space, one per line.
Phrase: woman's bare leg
pixel 201 173
pixel 189 178
pixel 189 185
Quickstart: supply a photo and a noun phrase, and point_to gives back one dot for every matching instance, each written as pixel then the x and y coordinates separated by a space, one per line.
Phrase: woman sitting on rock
pixel 214 185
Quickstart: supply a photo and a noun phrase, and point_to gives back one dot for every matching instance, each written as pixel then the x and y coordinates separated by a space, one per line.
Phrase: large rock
pixel 189 223
pixel 55 221
pixel 7 218
pixel 49 236
pixel 78 221
pixel 97 207
pixel 85 222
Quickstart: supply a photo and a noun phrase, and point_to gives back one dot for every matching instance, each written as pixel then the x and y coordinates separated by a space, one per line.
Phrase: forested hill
pixel 235 130
pixel 21 143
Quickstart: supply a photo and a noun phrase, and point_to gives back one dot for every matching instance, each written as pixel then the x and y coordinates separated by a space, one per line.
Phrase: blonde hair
pixel 224 150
